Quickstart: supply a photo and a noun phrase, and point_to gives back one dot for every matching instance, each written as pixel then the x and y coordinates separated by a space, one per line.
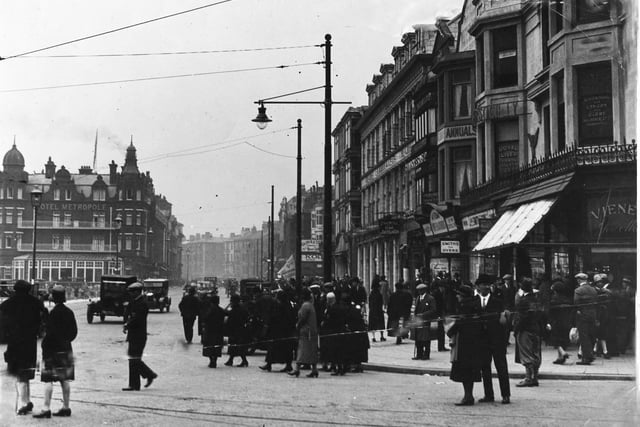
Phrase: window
pixel 99 220
pixel 1 216
pixel 460 94
pixel 595 111
pixel 138 194
pixel 19 193
pixel 99 194
pixel 1 192
pixel 67 219
pixel 138 218
pixel 97 244
pixel 128 242
pixel 129 194
pixel 592 10
pixel 56 194
pixel 128 218
pixel 66 243
pixel 460 170
pixel 441 99
pixel 56 219
pixel 505 57
pixel 8 216
pixel 19 241
pixel 138 242
pixel 506 151
pixel 557 17
pixel 67 194
pixel 441 164
pixel 8 241
pixel 9 192
pixel 55 242
pixel 19 214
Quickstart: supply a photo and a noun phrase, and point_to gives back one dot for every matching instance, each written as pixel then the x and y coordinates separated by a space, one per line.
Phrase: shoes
pixel 212 365
pixel 373 339
pixel 465 402
pixel 417 358
pixel 606 356
pixel 295 373
pixel 286 369
pixel 228 362
pixel 398 341
pixel 63 412
pixel 426 358
pixel 25 409
pixel 244 364
pixel 383 339
pixel 43 414
pixel 584 362
pixel 534 383
pixel 130 389
pixel 486 400
pixel 150 380
pixel 313 374
pixel 526 383
pixel 266 367
pixel 506 400
pixel 559 361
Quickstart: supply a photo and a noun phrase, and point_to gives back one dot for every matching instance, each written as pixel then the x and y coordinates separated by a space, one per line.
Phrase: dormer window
pixel 56 194
pixel 99 194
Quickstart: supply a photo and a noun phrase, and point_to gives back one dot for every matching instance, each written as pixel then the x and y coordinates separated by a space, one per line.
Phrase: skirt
pixel 58 367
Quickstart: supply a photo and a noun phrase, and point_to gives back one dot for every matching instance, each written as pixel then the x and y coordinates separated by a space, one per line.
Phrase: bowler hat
pixel 136 286
pixel 21 284
pixel 57 289
pixel 421 286
pixel 483 279
pixel 507 276
pixel 581 276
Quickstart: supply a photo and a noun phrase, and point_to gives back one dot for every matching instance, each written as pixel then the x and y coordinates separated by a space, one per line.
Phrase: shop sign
pixel 498 111
pixel 612 218
pixel 450 246
pixel 414 163
pixel 310 245
pixel 471 222
pixel 389 226
pixel 456 132
pixel 427 230
pixel 388 164
pixel 438 224
pixel 311 257
pixel 451 224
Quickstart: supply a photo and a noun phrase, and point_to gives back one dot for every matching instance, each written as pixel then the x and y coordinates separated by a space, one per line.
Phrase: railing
pixel 554 165
pixel 75 247
pixel 62 225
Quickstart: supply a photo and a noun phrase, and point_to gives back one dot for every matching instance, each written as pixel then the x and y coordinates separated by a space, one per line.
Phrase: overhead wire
pixel 126 27
pixel 175 76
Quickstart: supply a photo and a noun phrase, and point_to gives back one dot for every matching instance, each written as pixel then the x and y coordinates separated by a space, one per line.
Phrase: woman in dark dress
pixel 282 331
pixel 376 313
pixel 560 317
pixel 468 349
pixel 212 330
pixel 237 318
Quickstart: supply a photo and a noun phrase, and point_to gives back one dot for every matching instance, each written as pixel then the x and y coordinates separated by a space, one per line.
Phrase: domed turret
pixel 13 160
pixel 131 161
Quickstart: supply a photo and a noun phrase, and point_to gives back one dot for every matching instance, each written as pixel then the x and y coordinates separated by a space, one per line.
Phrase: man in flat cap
pixel 22 316
pixel 136 330
pixel 584 298
pixel 425 311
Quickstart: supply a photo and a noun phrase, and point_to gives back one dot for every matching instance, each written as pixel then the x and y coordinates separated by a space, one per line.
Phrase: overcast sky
pixel 193 134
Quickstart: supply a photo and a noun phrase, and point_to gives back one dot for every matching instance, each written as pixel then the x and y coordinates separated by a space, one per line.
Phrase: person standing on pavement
pixel 22 316
pixel 492 329
pixel 376 312
pixel 385 291
pixel 307 327
pixel 528 325
pixel 584 298
pixel 237 320
pixel 399 310
pixel 136 329
pixel 212 334
pixel 560 318
pixel 189 309
pixel 424 312
pixel 466 344
pixel 57 353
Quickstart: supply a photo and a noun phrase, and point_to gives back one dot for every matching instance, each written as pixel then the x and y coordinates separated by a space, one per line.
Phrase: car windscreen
pixel 114 289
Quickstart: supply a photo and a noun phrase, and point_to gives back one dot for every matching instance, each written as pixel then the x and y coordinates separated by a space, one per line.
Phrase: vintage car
pixel 156 294
pixel 113 298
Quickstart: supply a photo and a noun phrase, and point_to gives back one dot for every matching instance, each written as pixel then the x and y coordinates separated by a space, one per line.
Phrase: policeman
pixel 136 330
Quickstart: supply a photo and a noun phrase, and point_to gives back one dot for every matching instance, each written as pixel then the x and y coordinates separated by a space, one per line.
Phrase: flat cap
pixel 626 279
pixel 581 276
pixel 507 276
pixel 599 277
pixel 135 286
pixel 421 286
pixel 21 284
pixel 314 287
pixel 58 289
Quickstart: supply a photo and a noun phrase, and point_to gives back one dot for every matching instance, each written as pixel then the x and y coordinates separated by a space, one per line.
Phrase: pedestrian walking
pixel 57 354
pixel 136 330
pixel 307 328
pixel 385 291
pixel 584 298
pixel 22 317
pixel 212 330
pixel 236 326
pixel 189 309
pixel 492 329
pixel 399 311
pixel 376 312
pixel 529 324
pixel 561 314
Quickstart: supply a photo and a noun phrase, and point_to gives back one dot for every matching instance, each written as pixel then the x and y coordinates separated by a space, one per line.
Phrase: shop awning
pixel 514 225
pixel 541 190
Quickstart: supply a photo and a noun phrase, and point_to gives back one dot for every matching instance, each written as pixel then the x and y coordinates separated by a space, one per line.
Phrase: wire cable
pixel 126 27
pixel 269 152
pixel 176 76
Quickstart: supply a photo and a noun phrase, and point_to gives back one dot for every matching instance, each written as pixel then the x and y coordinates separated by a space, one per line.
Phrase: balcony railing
pixel 67 225
pixel 75 247
pixel 554 165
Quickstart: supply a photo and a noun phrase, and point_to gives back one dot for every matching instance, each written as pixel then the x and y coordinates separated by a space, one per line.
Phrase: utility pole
pixel 271 249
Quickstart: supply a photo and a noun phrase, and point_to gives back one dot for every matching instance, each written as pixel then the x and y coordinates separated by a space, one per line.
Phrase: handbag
pixel 574 336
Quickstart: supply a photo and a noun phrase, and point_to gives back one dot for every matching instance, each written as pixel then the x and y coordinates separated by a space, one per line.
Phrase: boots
pixel 534 376
pixel 527 381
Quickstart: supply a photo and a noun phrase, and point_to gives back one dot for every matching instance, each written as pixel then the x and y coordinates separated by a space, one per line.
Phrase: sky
pixel 193 130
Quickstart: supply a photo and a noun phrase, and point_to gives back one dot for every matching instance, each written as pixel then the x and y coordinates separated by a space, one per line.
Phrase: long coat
pixel 212 331
pixel 467 343
pixel 399 307
pixel 425 310
pixel 376 313
pixel 307 328
pixel 57 352
pixel 281 330
pixel 357 348
pixel 333 339
pixel 136 326
pixel 22 315
pixel 236 330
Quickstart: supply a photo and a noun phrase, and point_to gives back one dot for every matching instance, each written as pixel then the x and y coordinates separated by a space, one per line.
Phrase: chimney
pixel 113 171
pixel 85 170
pixel 50 169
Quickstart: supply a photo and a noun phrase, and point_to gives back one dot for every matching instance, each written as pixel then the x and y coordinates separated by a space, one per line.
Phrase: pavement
pixel 389 357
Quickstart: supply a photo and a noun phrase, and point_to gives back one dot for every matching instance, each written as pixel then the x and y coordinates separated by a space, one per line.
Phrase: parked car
pixel 113 298
pixel 156 294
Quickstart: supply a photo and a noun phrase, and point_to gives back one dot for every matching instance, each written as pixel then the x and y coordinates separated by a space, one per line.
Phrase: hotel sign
pixel 452 133
pixel 72 207
pixel 498 111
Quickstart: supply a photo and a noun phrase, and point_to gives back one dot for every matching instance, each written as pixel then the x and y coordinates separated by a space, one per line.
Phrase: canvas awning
pixel 544 189
pixel 514 225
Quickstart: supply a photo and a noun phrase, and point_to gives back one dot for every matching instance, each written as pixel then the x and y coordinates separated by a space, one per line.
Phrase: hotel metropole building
pixel 76 228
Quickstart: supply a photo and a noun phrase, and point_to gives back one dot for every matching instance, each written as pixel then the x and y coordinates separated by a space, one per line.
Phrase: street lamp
pixel 118 224
pixel 36 199
pixel 262 120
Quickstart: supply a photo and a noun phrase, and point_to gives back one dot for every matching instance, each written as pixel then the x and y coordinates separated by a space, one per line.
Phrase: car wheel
pixel 89 315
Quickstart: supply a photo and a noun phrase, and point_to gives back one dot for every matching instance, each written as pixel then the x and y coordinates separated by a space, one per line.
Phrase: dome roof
pixel 13 158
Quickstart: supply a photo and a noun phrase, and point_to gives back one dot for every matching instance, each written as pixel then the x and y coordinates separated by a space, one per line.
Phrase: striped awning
pixel 514 225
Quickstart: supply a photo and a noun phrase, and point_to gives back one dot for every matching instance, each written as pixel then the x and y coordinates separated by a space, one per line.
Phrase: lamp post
pixel 118 224
pixel 262 120
pixel 298 260
pixel 188 263
pixel 36 199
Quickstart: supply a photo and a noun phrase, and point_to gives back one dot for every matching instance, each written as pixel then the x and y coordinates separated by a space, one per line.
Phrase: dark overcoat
pixel 376 312
pixel 212 331
pixel 467 347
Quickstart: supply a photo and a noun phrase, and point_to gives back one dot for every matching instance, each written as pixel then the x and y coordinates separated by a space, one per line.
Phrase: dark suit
pixel 189 309
pixel 493 331
pixel 136 327
pixel 584 298
pixel 425 311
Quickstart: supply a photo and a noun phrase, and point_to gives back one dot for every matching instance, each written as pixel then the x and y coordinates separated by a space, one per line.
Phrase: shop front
pixel 446 249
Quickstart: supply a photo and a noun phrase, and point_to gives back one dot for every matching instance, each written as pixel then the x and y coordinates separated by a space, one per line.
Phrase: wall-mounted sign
pixel 389 226
pixel 414 163
pixel 456 132
pixel 451 223
pixel 613 217
pixel 427 230
pixel 498 111
pixel 450 246
pixel 388 164
pixel 311 257
pixel 310 245
pixel 472 222
pixel 72 207
pixel 438 224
